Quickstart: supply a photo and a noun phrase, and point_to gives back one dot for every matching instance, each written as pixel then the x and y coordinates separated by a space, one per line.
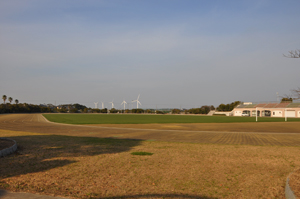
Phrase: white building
pixel 284 109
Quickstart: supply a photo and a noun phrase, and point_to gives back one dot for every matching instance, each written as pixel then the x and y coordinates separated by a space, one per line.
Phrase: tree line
pixel 9 107
pixel 78 108
pixel 206 109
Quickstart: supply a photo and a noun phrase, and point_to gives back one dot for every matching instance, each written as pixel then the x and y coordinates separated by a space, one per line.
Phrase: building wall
pixel 291 113
pixel 275 112
pixel 237 112
pixel 227 113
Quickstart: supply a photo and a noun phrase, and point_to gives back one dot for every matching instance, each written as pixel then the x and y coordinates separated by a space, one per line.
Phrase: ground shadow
pixel 43 152
pixel 165 196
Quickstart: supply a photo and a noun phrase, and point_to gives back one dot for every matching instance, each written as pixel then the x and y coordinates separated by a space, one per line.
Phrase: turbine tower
pixel 124 104
pixel 102 105
pixel 137 102
pixel 112 104
pixel 96 104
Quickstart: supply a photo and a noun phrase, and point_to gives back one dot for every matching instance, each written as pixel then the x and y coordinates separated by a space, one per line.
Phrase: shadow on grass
pixel 160 196
pixel 38 153
pixel 15 195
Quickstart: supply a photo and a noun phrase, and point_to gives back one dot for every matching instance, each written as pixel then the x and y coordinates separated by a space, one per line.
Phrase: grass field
pixel 86 167
pixel 151 119
pixel 229 160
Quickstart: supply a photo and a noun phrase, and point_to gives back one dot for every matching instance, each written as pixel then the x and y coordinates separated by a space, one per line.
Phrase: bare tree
pixel 296 93
pixel 293 54
pixel 287 98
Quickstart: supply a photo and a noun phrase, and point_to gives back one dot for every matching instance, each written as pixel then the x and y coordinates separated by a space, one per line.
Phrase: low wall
pixel 289 194
pixel 9 150
pixel 223 113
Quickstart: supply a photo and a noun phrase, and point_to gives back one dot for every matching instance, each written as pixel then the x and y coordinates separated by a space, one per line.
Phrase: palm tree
pixel 10 99
pixel 4 98
pixel 16 101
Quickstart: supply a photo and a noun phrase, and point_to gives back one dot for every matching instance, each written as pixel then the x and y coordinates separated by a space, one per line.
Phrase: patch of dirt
pixel 295 182
pixel 5 144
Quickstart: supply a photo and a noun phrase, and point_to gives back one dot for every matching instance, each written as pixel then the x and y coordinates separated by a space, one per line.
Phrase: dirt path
pixel 282 134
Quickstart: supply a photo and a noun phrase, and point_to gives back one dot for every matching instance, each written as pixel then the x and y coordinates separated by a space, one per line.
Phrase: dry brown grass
pixel 5 143
pixel 83 167
pixel 295 182
pixel 272 134
pixel 266 127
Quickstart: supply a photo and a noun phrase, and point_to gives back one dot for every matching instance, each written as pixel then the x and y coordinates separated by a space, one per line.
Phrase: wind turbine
pixel 124 104
pixel 112 104
pixel 137 102
pixel 96 104
pixel 102 105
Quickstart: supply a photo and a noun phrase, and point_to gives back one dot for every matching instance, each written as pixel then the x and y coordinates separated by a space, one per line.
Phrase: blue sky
pixel 174 53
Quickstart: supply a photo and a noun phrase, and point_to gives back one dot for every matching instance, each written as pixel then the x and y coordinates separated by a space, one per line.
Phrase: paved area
pixel 12 195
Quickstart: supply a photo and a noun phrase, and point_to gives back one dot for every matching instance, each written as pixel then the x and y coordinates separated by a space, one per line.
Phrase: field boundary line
pixel 45 118
pixel 168 130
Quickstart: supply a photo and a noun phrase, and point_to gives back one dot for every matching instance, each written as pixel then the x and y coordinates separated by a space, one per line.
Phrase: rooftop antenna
pixel 96 104
pixel 137 102
pixel 277 96
pixel 102 105
pixel 124 102
pixel 112 104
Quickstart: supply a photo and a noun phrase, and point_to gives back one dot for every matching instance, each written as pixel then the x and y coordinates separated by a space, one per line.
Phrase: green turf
pixel 150 119
pixel 141 153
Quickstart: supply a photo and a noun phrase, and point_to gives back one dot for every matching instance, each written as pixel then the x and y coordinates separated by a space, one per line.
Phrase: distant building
pixel 284 109
pixel 66 106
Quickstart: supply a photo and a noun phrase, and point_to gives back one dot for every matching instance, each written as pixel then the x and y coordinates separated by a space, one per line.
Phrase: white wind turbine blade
pixel 124 102
pixel 137 104
pixel 112 104
pixel 137 101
